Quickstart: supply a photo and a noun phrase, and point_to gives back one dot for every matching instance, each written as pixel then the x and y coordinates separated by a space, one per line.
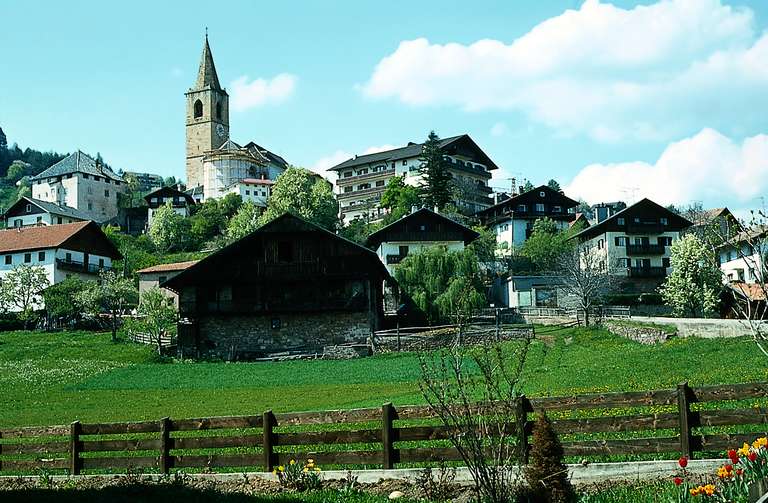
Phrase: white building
pixel 78 181
pixel 742 259
pixel 363 179
pixel 415 232
pixel 28 211
pixel 230 164
pixel 255 190
pixel 181 202
pixel 80 249
pixel 635 243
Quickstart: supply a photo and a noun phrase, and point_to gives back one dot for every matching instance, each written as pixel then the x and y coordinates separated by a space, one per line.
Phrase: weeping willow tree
pixel 445 285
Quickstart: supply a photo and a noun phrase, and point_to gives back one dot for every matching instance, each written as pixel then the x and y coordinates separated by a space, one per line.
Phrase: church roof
pixel 270 156
pixel 78 162
pixel 206 75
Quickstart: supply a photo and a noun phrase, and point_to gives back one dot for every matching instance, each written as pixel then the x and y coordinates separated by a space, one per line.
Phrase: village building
pixel 28 211
pixel 180 202
pixel 417 231
pixel 215 163
pixel 143 181
pixel 289 286
pixel 742 259
pixel 256 190
pixel 362 180
pixel 512 219
pixel 79 249
pixel 154 276
pixel 635 243
pixel 78 181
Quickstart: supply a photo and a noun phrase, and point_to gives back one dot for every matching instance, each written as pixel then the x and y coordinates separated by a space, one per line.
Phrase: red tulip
pixel 678 481
pixel 752 456
pixel 683 462
pixel 733 456
pixel 739 471
pixel 729 468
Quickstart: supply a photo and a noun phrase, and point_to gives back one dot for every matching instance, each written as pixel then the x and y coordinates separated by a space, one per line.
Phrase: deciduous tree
pixel 546 245
pixel 169 230
pixel 21 290
pixel 693 287
pixel 399 199
pixel 304 194
pixel 245 221
pixel 157 317
pixel 111 294
pixel 586 276
pixel 58 299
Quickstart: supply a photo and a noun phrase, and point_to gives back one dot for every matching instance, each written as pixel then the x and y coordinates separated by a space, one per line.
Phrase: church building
pixel 216 165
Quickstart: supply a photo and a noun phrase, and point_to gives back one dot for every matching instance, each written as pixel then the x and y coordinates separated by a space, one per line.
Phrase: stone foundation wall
pixel 641 334
pixel 445 338
pixel 244 337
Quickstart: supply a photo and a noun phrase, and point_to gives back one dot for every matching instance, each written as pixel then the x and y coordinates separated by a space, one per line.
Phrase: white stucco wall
pixel 97 199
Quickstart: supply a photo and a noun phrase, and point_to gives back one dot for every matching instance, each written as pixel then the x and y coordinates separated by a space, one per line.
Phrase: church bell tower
pixel 207 123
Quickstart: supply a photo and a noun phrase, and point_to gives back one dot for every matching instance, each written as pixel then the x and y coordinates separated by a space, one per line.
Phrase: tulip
pixel 683 462
pixel 733 456
pixel 678 481
pixel 752 456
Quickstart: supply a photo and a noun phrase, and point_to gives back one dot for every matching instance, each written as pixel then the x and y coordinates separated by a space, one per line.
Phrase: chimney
pixel 514 186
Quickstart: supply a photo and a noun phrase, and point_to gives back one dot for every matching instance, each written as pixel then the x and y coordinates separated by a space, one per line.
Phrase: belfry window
pixel 218 111
pixel 198 109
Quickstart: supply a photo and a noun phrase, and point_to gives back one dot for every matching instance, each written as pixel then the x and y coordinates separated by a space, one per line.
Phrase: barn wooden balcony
pixel 70 265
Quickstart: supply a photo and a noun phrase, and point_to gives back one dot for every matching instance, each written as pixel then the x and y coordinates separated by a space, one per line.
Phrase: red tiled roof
pixel 258 181
pixel 38 237
pixel 753 291
pixel 176 266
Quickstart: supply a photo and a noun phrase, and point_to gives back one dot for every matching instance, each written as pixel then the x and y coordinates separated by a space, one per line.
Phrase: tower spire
pixel 206 75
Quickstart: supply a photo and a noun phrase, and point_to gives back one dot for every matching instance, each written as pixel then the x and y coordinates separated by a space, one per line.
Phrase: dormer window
pixel 542 194
pixel 29 208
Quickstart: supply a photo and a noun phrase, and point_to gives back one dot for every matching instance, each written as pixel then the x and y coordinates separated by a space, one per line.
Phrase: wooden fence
pixel 661 423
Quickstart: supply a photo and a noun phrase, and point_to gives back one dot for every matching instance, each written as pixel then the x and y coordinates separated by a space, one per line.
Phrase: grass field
pixel 55 378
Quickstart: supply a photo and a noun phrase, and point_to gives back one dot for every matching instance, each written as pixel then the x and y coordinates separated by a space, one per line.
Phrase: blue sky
pixel 614 99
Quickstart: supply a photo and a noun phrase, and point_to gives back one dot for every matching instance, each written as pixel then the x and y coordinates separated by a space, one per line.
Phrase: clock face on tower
pixel 220 131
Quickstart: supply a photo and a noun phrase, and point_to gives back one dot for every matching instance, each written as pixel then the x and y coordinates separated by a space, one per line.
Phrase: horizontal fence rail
pixel 668 422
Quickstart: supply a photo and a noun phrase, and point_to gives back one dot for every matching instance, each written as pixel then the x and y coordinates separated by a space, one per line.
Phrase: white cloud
pixel 379 148
pixel 707 167
pixel 259 92
pixel 651 72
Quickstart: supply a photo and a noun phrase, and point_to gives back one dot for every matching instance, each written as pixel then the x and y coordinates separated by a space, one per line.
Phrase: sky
pixel 615 100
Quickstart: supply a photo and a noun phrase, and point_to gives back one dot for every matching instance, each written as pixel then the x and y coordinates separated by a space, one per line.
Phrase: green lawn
pixel 55 378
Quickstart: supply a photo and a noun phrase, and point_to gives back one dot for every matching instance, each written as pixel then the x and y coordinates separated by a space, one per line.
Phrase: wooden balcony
pixel 341 181
pixel 647 272
pixel 70 265
pixel 645 249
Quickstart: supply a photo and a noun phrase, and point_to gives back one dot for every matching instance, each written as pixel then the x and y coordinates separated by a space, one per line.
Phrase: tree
pixel 693 287
pixel 436 179
pixel 546 245
pixel 110 294
pixel 58 299
pixel 169 181
pixel 22 290
pixel 586 277
pixel 169 230
pixel 208 221
pixel 546 474
pixel 245 221
pixel 399 199
pixel 229 204
pixel 157 317
pixel 554 185
pixel 358 230
pixel 3 140
pixel 485 245
pixel 16 171
pixel 428 278
pixel 304 194
pixel 528 186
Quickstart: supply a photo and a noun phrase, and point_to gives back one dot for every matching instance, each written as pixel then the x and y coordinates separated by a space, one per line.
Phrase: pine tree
pixel 436 179
pixel 554 185
pixel 3 140
pixel 546 474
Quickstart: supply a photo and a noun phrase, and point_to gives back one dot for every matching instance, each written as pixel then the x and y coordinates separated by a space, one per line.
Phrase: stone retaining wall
pixel 637 333
pixel 446 338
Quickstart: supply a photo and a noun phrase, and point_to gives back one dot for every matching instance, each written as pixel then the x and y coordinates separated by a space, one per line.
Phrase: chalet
pixel 363 178
pixel 742 258
pixel 27 211
pixel 636 243
pixel 512 219
pixel 80 249
pixel 154 276
pixel 180 201
pixel 288 286
pixel 416 231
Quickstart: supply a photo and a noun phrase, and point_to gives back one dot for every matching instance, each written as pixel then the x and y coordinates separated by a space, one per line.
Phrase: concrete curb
pixel 581 474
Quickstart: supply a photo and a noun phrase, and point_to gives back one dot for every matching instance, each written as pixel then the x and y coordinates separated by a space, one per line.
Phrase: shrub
pixel 546 473
pixel 298 477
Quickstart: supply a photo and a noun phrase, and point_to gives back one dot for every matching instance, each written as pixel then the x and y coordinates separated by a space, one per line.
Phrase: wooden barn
pixel 290 286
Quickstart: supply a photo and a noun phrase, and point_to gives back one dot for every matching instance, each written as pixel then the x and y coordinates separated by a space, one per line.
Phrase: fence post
pixel 498 324
pixel 521 418
pixel 165 446
pixel 74 447
pixel 388 435
pixel 684 411
pixel 268 423
pixel 1 452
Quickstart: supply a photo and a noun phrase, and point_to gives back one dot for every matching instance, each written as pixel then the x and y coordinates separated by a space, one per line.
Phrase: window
pixel 27 258
pixel 39 219
pixel 198 109
pixel 422 228
pixel 18 222
pixel 521 207
pixel 347 174
pixel 403 250
pixel 620 241
pixel 68 257
pixel 539 207
pixel 623 262
pixel 393 164
pixel 101 263
pixel 557 209
pixel 95 178
pixel 284 251
pixel 8 259
pixel 405 162
pixel 542 193
pixel 665 262
pixel 218 111
pixel 247 192
pixel 85 177
pixel 29 208
pixel 106 193
pixel 665 241
pixel 41 256
pixel 600 244
pixel 90 205
pixel 636 220
pixel 380 183
pixel 664 221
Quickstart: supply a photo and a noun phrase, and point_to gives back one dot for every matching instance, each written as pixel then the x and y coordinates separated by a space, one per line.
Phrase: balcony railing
pixel 645 249
pixel 362 192
pixel 372 174
pixel 644 228
pixel 70 265
pixel 395 259
pixel 647 272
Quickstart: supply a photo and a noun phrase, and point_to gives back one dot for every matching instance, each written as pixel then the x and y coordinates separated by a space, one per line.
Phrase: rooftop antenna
pixel 631 193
